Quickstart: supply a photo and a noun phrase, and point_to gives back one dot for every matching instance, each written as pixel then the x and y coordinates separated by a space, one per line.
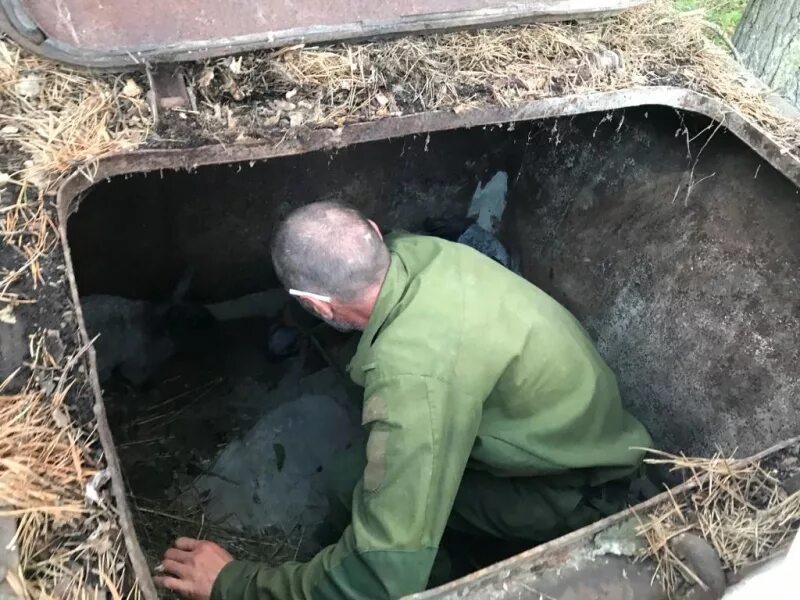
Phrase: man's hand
pixel 191 567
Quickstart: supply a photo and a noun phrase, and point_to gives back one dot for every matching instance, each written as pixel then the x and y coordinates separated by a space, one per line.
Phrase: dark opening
pixel 681 258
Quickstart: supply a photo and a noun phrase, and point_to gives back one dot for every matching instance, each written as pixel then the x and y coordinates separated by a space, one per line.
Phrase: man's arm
pixel 418 447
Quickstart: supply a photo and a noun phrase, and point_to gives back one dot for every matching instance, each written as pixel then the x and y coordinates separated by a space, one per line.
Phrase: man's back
pixel 549 403
pixel 487 409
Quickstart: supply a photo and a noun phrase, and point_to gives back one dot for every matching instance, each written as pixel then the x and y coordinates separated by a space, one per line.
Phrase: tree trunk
pixel 768 39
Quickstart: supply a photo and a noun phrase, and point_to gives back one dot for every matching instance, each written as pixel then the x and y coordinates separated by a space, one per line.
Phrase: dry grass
pixel 68 548
pixel 53 120
pixel 332 85
pixel 40 472
pixel 739 507
pixel 62 119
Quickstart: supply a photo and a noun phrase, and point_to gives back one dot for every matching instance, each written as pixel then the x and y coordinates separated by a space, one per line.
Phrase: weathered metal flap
pixel 116 33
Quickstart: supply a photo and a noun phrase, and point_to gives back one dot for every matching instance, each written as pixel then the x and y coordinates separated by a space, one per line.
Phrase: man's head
pixel 333 260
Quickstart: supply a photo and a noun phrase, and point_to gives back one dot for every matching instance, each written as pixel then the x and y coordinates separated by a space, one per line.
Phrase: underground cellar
pixel 670 239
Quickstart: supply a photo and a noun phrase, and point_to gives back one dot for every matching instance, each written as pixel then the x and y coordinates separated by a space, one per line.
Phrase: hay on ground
pixel 332 85
pixel 66 547
pixel 738 506
pixel 54 120
pixel 61 119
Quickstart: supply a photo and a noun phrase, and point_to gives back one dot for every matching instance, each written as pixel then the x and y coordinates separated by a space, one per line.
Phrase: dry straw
pixel 72 548
pixel 61 119
pixel 336 84
pixel 53 120
pixel 738 506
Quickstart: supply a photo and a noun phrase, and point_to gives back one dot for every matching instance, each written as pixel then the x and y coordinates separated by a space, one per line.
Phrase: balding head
pixel 330 249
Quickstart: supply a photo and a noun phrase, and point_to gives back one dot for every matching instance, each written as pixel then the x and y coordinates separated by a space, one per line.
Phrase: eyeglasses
pixel 301 294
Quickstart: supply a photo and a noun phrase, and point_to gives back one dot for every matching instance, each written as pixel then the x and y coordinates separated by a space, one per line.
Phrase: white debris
pixel 9 130
pixel 131 89
pixel 235 65
pixel 100 538
pixel 206 78
pixel 489 202
pixel 28 86
pixel 7 315
pixel 95 486
pixel 60 418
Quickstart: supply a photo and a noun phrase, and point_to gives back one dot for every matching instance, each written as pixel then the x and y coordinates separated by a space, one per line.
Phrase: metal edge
pixel 427 23
pixel 573 540
pixel 152 160
pixel 137 558
pixel 309 140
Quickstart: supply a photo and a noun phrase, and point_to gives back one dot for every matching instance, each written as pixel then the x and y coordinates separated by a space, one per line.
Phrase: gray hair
pixel 329 249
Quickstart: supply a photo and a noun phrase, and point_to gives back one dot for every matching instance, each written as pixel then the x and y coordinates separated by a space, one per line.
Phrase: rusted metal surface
pixel 120 33
pixel 392 127
pixel 555 555
pixel 167 90
pixel 135 554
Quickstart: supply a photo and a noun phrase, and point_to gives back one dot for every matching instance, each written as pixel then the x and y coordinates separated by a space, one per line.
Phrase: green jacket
pixel 463 363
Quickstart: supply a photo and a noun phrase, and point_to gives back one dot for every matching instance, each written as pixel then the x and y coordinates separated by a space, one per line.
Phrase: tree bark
pixel 768 38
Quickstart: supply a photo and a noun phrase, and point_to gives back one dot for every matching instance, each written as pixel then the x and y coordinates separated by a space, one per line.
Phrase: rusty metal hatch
pixel 119 33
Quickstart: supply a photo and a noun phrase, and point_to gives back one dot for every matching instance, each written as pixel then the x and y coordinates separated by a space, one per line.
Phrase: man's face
pixel 338 325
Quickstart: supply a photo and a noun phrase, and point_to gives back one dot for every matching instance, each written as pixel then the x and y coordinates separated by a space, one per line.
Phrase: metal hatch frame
pixel 74 188
pixel 17 22
pixel 574 564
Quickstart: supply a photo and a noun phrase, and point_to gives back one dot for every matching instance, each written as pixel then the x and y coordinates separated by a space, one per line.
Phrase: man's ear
pixel 321 308
pixel 376 228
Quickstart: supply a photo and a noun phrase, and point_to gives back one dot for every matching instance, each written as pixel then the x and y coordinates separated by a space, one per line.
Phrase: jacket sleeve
pixel 418 446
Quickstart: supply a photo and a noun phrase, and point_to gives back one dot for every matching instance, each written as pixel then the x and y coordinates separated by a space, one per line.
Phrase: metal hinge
pixel 168 90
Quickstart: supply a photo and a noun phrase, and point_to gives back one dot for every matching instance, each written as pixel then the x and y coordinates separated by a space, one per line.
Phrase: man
pixel 488 410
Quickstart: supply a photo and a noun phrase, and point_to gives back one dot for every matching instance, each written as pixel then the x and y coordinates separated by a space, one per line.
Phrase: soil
pixel 785 464
pixel 171 431
pixel 52 315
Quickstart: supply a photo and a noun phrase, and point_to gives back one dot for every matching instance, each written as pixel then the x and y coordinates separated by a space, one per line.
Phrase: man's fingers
pixel 174 584
pixel 178 555
pixel 184 543
pixel 173 567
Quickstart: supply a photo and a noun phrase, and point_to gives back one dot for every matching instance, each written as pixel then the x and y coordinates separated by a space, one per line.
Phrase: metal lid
pixel 118 33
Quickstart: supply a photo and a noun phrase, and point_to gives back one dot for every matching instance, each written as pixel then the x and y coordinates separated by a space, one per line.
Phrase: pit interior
pixel 668 237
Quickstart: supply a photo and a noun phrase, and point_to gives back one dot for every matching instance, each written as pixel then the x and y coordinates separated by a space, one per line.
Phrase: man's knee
pixel 528 509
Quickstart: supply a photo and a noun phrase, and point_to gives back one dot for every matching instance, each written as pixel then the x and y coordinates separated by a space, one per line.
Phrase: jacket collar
pixel 392 290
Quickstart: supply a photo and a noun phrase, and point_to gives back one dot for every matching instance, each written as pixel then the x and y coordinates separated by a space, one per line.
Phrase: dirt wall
pixel 679 256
